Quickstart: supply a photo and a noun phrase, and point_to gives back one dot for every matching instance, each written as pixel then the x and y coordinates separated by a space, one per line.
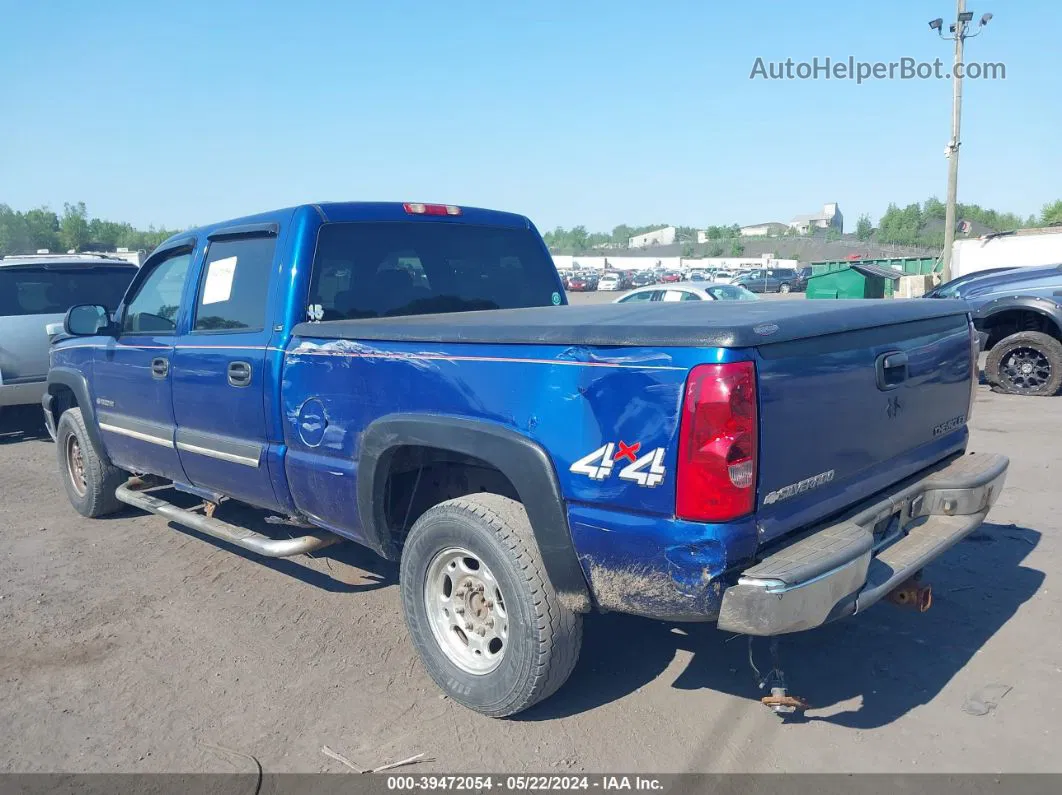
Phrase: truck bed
pixel 722 324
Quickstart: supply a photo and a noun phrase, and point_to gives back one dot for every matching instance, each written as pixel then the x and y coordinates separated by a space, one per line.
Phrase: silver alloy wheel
pixel 466 611
pixel 75 464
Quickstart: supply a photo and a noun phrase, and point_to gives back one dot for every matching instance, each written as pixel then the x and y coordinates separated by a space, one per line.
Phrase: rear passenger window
pixel 234 286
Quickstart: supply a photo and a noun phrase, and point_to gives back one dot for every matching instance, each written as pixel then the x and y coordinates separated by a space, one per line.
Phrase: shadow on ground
pixel 891 659
pixel 22 424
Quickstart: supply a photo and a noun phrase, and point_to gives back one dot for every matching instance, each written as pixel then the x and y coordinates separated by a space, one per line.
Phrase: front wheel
pixel 1026 363
pixel 485 619
pixel 90 481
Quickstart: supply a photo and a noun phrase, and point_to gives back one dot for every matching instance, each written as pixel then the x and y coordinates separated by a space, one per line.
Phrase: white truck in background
pixel 1020 248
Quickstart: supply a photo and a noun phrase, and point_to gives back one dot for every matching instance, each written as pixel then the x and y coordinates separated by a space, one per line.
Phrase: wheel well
pixel 65 399
pixel 1010 321
pixel 418 478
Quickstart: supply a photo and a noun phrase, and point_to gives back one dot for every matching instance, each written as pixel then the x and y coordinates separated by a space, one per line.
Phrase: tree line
pixel 42 228
pixel 923 224
pixel 913 225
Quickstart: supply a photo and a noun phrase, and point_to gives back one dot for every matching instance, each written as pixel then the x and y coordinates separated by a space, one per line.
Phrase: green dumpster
pixel 911 266
pixel 853 280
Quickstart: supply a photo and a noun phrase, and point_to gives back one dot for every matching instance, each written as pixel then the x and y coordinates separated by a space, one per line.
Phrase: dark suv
pixel 768 280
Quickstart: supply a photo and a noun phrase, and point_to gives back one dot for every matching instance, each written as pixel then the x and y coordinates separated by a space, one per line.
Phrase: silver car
pixel 688 291
pixel 35 292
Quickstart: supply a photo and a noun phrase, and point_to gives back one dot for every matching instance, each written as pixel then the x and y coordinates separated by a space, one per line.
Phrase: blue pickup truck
pixel 410 377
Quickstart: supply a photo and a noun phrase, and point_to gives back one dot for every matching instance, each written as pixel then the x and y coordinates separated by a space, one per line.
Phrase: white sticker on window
pixel 219 277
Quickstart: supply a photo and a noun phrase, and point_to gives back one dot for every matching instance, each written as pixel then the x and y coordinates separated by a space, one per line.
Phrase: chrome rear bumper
pixel 845 567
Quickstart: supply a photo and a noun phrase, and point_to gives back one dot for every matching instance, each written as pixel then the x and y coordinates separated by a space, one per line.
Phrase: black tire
pixel 1027 363
pixel 544 637
pixel 92 494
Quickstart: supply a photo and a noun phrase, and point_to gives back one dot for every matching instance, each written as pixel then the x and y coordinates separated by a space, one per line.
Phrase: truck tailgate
pixel 847 414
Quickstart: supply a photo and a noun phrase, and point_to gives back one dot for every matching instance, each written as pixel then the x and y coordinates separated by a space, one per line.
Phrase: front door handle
pixel 160 367
pixel 239 373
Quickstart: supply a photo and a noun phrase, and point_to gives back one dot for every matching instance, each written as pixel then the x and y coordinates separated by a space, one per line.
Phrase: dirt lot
pixel 131 645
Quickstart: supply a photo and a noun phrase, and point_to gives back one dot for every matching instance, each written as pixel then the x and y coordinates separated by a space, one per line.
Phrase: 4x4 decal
pixel 646 470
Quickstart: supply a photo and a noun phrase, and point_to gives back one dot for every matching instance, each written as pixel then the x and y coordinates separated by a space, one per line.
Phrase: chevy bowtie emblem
pixel 892 408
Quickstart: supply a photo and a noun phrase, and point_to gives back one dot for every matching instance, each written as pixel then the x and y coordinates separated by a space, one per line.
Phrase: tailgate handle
pixel 892 370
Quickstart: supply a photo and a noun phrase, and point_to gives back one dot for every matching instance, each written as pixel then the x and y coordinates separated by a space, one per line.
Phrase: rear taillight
pixel 975 369
pixel 416 208
pixel 716 479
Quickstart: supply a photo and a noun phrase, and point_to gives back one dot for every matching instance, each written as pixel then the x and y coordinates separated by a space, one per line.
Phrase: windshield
pixel 364 270
pixel 52 291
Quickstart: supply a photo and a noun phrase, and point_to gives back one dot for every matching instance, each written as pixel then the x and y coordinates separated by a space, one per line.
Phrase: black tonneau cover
pixel 722 324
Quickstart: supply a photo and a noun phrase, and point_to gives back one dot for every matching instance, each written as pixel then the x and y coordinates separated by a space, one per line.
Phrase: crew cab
pixel 409 377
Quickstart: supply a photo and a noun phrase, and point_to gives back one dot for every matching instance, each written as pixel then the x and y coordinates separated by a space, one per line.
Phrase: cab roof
pixel 339 212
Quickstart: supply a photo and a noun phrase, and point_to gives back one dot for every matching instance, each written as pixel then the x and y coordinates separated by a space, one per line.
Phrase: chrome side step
pixel 132 492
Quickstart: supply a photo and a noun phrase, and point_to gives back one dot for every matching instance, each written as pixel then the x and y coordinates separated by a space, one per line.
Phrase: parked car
pixel 1018 317
pixel 767 280
pixel 643 279
pixel 524 464
pixel 35 292
pixel 582 283
pixel 800 280
pixel 611 282
pixel 689 291
pixel 670 277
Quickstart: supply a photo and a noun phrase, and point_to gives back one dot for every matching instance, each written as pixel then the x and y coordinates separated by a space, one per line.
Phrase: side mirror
pixel 86 320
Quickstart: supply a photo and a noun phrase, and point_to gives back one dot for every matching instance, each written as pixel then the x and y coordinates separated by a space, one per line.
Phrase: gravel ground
pixel 133 645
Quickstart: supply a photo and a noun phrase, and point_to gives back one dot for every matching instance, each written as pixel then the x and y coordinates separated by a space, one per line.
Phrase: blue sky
pixel 570 112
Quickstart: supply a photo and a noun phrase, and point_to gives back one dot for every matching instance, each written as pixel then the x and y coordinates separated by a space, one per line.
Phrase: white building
pixel 657 237
pixel 829 218
pixel 1022 248
pixel 769 229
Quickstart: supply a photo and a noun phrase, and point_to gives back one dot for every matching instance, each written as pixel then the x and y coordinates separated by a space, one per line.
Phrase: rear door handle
pixel 160 367
pixel 239 373
pixel 892 369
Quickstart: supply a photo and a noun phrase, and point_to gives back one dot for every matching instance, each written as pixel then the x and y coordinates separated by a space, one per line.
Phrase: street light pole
pixel 960 31
pixel 953 144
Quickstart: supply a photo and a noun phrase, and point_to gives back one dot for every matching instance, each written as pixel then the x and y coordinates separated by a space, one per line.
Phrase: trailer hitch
pixel 779 701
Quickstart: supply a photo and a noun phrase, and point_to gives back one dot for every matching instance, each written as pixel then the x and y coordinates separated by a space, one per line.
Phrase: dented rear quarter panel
pixel 569 400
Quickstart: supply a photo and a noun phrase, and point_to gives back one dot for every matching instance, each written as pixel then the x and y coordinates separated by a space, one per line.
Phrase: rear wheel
pixel 784 287
pixel 89 481
pixel 482 614
pixel 1026 363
